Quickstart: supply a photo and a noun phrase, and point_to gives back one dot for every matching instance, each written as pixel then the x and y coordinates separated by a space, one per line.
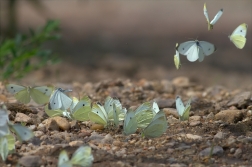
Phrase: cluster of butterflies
pixel 197 50
pixel 7 139
pixel 148 117
pixel 81 157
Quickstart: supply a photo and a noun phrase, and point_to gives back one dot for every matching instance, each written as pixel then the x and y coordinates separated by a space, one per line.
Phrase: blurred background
pixel 135 39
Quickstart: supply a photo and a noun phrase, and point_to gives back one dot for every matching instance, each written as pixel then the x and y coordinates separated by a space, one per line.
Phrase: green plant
pixel 25 53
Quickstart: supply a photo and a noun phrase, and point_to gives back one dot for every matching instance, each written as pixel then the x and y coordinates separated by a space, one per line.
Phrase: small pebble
pixel 195 123
pixel 216 150
pixel 193 137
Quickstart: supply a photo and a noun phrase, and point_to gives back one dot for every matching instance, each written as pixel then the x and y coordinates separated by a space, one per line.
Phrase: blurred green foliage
pixel 25 53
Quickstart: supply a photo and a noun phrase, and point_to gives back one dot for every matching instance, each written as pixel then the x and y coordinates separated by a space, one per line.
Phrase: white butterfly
pixel 238 37
pixel 195 50
pixel 59 100
pixel 215 19
pixel 183 111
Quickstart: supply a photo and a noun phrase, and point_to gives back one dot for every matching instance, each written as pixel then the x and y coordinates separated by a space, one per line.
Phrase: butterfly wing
pixel 66 164
pixel 4 130
pixel 189 49
pixel 55 100
pixel 238 40
pixel 180 106
pixel 157 126
pixel 22 132
pixel 41 94
pixel 122 114
pixel 4 118
pixel 130 123
pixel 4 148
pixel 13 88
pixel 23 96
pixel 115 115
pixel 206 15
pixel 54 113
pixel 193 53
pixel 108 106
pixel 98 114
pixel 82 156
pixel 185 115
pixel 65 101
pixel 21 92
pixel 241 30
pixel 185 46
pixel 177 59
pixel 63 157
pixel 155 108
pixel 144 114
pixel 11 142
pixel 207 47
pixel 82 109
pixel 201 54
pixel 216 18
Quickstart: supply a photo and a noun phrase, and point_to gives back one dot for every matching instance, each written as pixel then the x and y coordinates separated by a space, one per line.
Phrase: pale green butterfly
pixel 130 123
pixel 108 106
pixel 40 94
pixel 82 157
pixel 11 142
pixel 105 114
pixel 215 19
pixel 238 37
pixel 4 148
pixel 22 132
pixel 98 114
pixel 59 100
pixel 177 59
pixel 80 109
pixel 63 159
pixel 157 126
pixel 195 50
pixel 144 114
pixel 183 111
